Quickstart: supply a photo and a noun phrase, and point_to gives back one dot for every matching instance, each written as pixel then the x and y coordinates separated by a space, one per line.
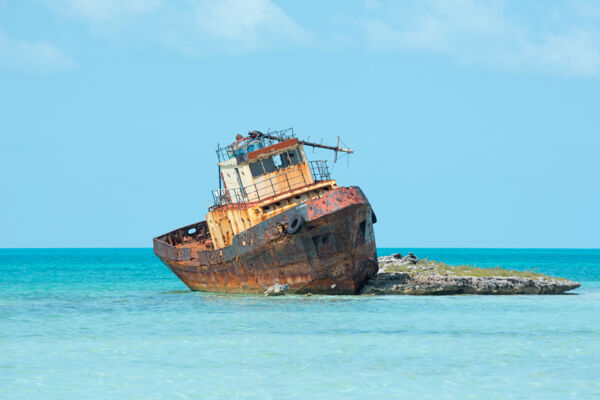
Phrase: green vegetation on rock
pixel 427 266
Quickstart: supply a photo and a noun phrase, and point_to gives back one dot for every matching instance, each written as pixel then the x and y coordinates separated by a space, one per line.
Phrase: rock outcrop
pixel 411 276
pixel 277 290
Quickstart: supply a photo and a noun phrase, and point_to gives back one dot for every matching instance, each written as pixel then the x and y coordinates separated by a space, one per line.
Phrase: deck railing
pixel 258 191
pixel 320 171
pixel 241 148
pixel 166 245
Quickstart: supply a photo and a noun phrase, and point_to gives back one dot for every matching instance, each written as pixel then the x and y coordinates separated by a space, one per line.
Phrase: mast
pixel 337 148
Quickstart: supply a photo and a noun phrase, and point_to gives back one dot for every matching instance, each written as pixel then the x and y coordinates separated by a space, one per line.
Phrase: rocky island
pixel 411 276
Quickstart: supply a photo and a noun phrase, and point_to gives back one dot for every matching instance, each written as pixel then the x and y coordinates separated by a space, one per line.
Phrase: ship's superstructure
pixel 252 237
pixel 261 178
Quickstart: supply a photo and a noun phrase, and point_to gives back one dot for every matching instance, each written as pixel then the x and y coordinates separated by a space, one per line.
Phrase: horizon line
pixel 382 247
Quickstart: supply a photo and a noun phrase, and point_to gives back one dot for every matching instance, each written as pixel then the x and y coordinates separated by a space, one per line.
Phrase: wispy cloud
pixel 193 26
pixel 562 37
pixel 106 11
pixel 33 56
pixel 247 22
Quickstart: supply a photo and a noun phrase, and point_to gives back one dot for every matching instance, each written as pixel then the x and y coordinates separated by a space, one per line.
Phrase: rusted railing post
pixel 288 181
pixel 272 187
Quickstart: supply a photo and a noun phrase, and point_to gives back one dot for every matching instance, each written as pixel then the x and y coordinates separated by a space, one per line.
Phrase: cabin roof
pixel 274 148
pixel 244 151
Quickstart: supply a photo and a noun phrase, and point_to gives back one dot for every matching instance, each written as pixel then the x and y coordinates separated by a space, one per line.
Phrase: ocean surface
pixel 117 324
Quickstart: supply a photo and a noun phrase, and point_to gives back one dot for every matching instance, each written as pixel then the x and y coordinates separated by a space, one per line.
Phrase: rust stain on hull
pixel 333 252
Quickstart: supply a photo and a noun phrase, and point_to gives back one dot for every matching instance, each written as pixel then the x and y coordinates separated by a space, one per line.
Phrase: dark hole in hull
pixel 362 229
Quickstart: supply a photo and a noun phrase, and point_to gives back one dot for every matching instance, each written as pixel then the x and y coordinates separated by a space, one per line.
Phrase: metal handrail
pixel 320 170
pixel 261 190
pixel 253 143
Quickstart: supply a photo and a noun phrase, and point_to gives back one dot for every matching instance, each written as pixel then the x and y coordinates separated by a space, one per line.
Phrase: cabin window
pixel 261 167
pixel 277 162
pixel 285 159
pixel 298 156
pixel 288 158
pixel 292 157
pixel 256 169
pixel 269 165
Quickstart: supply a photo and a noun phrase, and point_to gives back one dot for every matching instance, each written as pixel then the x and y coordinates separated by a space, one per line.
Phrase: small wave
pixel 176 292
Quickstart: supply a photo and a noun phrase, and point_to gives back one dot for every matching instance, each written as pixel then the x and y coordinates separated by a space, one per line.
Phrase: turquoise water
pixel 115 323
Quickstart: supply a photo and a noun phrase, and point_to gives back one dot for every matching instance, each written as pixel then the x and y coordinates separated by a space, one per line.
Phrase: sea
pixel 117 324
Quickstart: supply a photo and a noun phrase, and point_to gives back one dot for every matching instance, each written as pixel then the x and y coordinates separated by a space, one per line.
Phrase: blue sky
pixel 475 124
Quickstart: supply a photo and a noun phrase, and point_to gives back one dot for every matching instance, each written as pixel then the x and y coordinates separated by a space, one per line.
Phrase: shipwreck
pixel 277 218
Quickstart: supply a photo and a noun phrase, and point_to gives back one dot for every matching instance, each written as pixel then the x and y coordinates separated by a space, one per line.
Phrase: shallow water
pixel 115 323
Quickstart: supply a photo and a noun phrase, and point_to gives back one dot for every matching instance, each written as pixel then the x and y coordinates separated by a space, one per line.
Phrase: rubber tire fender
pixel 295 223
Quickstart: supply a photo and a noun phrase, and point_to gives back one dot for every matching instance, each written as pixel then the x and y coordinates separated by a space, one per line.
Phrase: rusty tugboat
pixel 276 219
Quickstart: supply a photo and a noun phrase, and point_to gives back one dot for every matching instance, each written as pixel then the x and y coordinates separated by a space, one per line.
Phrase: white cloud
pixel 246 21
pixel 576 52
pixel 106 11
pixel 487 32
pixel 561 37
pixel 192 26
pixel 34 56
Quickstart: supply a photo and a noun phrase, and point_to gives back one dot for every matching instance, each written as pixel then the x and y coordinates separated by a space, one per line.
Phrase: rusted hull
pixel 333 253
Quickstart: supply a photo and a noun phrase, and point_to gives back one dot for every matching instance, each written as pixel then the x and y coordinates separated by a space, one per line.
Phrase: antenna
pixel 337 148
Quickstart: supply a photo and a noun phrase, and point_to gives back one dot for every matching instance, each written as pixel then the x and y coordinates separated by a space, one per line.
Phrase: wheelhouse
pixel 260 176
pixel 253 170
